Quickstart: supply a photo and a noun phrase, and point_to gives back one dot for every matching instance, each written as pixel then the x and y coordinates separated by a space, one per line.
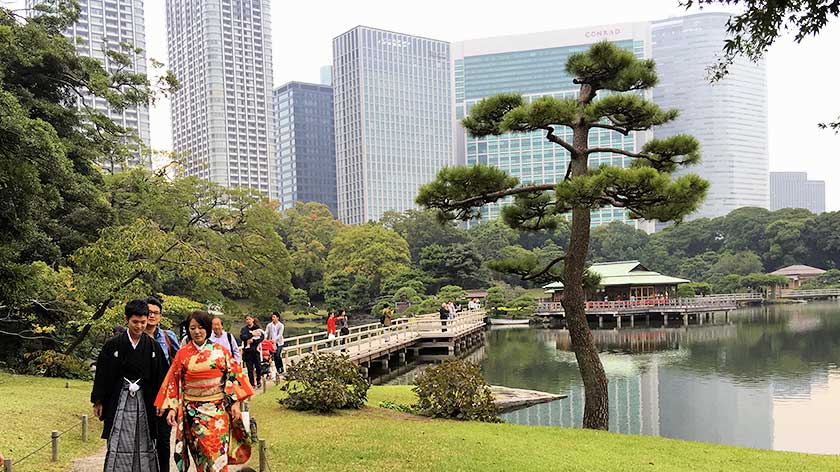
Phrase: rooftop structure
pixel 626 280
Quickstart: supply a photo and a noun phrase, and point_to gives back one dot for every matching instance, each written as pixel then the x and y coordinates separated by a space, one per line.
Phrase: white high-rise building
pixel 393 119
pixel 729 117
pixel 103 25
pixel 794 190
pixel 222 121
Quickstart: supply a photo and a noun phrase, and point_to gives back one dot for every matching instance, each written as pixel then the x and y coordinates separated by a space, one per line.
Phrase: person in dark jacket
pixel 129 371
pixel 252 335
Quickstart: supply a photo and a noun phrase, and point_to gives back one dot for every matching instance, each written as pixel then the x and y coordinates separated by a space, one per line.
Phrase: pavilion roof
pixel 625 273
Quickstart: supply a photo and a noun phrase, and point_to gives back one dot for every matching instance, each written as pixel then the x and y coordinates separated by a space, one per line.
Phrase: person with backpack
pixel 168 341
pixel 223 338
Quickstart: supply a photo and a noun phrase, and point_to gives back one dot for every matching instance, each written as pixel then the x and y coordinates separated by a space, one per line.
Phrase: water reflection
pixel 767 379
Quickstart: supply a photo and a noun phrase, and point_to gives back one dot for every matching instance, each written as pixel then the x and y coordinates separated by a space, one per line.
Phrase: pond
pixel 768 378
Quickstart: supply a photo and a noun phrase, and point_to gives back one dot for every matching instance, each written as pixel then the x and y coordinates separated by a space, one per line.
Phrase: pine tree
pixel 646 189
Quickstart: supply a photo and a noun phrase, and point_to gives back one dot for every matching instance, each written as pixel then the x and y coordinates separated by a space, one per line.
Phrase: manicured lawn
pixel 32 407
pixel 375 439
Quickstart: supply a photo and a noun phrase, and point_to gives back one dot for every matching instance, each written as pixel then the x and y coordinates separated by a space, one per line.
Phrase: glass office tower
pixel 729 117
pixel 393 119
pixel 794 190
pixel 220 51
pixel 305 144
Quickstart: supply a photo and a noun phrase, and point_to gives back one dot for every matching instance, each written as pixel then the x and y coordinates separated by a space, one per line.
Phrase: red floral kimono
pixel 201 385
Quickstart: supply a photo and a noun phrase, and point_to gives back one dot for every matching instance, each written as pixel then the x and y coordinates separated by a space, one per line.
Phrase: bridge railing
pixel 630 305
pixel 373 335
pixel 820 292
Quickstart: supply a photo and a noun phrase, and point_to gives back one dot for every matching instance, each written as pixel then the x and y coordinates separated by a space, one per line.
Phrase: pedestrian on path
pixel 223 338
pixel 387 318
pixel 201 394
pixel 251 336
pixel 129 371
pixel 169 344
pixel 274 333
pixel 444 316
pixel 331 329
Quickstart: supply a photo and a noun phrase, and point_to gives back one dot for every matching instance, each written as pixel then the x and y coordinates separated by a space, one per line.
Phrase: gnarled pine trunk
pixel 596 413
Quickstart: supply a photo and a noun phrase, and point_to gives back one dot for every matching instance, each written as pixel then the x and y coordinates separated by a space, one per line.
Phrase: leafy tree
pixel 415 279
pixel 421 229
pixel 454 263
pixel 743 229
pixel 308 230
pixel 617 242
pixel 349 291
pixel 368 250
pixel 822 238
pixel 762 22
pixel 787 246
pixel 452 293
pixel 698 267
pixel 491 237
pixel 830 279
pixel 298 298
pixel 646 189
pixel 742 263
pixel 693 288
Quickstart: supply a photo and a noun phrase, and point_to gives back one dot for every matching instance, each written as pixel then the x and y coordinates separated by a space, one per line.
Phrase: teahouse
pixel 625 280
pixel 797 274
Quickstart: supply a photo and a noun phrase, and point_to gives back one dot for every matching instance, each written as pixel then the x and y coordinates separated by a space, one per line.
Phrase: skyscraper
pixel 534 66
pixel 103 25
pixel 326 74
pixel 729 118
pixel 393 119
pixel 222 127
pixel 305 144
pixel 794 190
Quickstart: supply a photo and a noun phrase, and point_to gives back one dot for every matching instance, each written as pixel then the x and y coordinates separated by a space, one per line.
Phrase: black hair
pixel 386 305
pixel 136 308
pixel 154 301
pixel 203 320
pixel 275 313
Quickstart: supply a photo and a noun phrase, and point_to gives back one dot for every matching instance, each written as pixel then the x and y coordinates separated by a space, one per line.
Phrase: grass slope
pixel 32 407
pixel 375 439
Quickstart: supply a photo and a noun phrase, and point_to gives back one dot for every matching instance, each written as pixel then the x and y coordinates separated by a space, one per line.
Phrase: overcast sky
pixel 802 77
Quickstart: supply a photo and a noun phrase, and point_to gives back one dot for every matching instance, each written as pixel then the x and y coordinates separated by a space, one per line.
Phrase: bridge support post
pixel 600 321
pixel 364 371
pixel 701 316
pixel 632 320
pixel 618 320
pixel 665 319
pixel 402 357
pixel 647 319
pixel 685 319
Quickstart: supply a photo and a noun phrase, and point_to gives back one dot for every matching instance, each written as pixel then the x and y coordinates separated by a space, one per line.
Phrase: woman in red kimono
pixel 202 392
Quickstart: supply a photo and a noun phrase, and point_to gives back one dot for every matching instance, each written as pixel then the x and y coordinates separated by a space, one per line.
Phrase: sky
pixel 802 77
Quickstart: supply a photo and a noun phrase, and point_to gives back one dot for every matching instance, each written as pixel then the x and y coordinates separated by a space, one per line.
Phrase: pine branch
pixel 492 197
pixel 616 151
pixel 545 270
pixel 557 140
pixel 616 128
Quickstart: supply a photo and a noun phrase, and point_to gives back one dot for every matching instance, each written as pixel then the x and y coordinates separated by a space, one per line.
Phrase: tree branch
pixel 491 197
pixel 556 140
pixel 616 151
pixel 615 128
pixel 545 269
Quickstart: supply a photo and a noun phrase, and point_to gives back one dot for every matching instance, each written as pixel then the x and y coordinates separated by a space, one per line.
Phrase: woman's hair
pixel 203 320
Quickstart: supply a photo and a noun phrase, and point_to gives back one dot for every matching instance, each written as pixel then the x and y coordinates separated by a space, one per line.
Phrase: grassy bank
pixel 375 439
pixel 32 407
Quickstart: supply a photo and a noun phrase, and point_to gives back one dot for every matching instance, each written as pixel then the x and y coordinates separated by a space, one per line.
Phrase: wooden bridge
pixel 824 293
pixel 697 308
pixel 426 336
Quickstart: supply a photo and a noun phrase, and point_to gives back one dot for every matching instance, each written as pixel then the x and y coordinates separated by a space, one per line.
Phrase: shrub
pixel 457 390
pixel 56 364
pixel 324 383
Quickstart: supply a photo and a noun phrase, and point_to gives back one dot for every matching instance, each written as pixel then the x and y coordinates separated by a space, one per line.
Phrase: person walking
pixel 331 329
pixel 129 371
pixel 274 333
pixel 251 336
pixel 343 327
pixel 444 316
pixel 202 394
pixel 387 318
pixel 223 338
pixel 168 342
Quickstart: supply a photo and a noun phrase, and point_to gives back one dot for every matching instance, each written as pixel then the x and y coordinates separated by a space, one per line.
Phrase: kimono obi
pixel 204 377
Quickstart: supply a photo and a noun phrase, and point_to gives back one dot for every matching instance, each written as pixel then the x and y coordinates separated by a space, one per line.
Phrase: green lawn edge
pixel 377 439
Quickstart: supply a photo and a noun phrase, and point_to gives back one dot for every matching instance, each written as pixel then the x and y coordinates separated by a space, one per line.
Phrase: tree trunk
pixel 596 413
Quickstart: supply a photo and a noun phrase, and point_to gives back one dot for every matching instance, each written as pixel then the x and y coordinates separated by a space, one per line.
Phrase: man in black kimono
pixel 129 371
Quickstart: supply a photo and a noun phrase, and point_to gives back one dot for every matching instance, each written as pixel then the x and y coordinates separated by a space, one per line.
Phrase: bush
pixel 456 390
pixel 324 383
pixel 56 364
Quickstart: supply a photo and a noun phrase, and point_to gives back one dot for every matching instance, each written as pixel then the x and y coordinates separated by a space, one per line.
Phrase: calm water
pixel 767 379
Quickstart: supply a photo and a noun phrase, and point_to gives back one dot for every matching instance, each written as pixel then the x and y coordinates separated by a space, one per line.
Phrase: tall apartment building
pixel 305 144
pixel 393 119
pixel 794 190
pixel 222 121
pixel 103 25
pixel 729 118
pixel 326 75
pixel 534 66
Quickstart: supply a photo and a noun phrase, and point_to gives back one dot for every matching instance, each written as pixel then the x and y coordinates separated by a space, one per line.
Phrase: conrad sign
pixel 604 33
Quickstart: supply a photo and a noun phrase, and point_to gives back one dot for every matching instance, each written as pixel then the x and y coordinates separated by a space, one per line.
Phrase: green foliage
pixel 308 230
pixel 177 308
pixel 485 116
pixel 452 293
pixel 388 405
pixel 829 279
pixel 456 390
pixel 742 263
pixel 324 382
pixel 348 291
pixel 422 229
pixel 369 250
pixel 477 185
pixel 454 263
pixel 413 278
pixel 298 298
pixel 693 288
pixel 55 364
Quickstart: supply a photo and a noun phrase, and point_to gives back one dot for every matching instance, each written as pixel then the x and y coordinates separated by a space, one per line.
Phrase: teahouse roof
pixel 625 273
pixel 798 269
